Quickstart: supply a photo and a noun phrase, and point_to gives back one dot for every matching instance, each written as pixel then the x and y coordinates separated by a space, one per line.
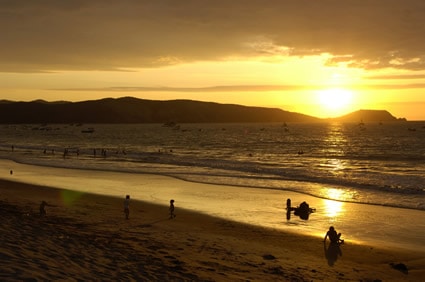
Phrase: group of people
pixel 303 210
pixel 333 236
pixel 127 208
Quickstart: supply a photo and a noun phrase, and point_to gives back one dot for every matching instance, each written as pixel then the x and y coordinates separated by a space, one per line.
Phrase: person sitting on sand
pixel 127 206
pixel 333 236
pixel 171 209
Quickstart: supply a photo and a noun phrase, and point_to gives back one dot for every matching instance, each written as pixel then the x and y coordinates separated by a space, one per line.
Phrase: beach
pixel 84 236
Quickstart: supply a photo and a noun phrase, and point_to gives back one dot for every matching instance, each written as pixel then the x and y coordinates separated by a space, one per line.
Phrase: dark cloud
pixel 105 35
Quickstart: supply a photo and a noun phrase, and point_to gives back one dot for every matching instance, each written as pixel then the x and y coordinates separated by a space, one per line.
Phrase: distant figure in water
pixel 43 208
pixel 333 236
pixel 127 206
pixel 171 209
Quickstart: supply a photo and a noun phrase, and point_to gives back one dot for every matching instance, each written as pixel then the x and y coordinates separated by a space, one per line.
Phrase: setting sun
pixel 335 100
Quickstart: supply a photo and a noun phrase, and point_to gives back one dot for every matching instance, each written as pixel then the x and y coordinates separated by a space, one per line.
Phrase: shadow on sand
pixel 332 252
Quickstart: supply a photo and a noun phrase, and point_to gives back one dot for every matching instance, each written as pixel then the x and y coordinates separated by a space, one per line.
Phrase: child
pixel 127 206
pixel 43 208
pixel 171 209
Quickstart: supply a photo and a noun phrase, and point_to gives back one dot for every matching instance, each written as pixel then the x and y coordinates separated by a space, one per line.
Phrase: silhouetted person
pixel 43 208
pixel 288 209
pixel 303 211
pixel 304 207
pixel 333 236
pixel 171 209
pixel 127 206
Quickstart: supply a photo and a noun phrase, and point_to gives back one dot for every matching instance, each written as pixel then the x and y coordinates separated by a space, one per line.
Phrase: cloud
pixel 392 76
pixel 394 86
pixel 224 88
pixel 112 35
pixel 243 88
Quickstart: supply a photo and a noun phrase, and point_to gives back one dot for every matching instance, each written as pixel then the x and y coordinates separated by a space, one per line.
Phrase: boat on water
pixel 169 124
pixel 88 130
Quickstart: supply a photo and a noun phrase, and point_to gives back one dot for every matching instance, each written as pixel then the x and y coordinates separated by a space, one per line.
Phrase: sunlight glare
pixel 335 98
pixel 333 208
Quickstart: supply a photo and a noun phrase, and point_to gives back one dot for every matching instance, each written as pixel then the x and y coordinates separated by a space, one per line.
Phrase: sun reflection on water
pixel 333 207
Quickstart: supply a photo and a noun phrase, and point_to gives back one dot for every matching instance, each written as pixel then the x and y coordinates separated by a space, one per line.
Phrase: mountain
pixel 368 116
pixel 132 110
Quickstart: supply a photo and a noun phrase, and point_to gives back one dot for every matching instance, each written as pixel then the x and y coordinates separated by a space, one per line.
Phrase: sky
pixel 323 58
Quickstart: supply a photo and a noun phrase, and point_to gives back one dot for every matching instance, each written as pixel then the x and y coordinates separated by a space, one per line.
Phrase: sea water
pixel 380 164
pixel 255 168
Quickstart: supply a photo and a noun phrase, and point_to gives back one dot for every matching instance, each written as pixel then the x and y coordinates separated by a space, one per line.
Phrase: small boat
pixel 88 130
pixel 169 124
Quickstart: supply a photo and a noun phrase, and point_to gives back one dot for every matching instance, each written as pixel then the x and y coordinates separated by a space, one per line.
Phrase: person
pixel 303 211
pixel 304 207
pixel 333 236
pixel 43 208
pixel 288 209
pixel 127 206
pixel 171 209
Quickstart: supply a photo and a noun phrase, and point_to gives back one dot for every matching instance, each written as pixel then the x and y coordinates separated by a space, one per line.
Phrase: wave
pixel 242 174
pixel 382 165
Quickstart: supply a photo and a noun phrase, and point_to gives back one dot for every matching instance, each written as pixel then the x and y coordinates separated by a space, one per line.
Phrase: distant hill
pixel 368 116
pixel 132 110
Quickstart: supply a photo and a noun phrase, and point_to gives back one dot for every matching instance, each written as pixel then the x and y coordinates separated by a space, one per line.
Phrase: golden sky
pixel 323 58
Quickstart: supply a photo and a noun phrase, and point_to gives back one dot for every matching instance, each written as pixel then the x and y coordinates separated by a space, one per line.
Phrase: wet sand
pixel 86 237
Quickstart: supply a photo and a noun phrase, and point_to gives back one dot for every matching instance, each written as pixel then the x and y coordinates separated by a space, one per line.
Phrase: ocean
pixel 369 163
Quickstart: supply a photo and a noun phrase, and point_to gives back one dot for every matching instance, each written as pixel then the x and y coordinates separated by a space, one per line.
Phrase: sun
pixel 335 99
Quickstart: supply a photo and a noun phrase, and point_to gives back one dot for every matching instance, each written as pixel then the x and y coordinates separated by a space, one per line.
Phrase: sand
pixel 86 237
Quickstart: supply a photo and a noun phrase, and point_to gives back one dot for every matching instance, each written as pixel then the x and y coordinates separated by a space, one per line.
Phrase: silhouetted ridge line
pixel 368 116
pixel 133 110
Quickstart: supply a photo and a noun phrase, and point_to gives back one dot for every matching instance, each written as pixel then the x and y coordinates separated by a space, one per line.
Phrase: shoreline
pixel 378 226
pixel 400 202
pixel 85 236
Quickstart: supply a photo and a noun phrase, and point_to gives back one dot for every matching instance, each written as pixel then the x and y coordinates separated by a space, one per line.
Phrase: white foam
pixel 376 225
